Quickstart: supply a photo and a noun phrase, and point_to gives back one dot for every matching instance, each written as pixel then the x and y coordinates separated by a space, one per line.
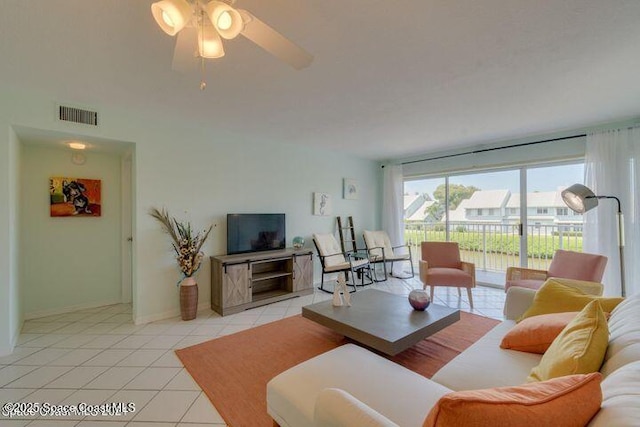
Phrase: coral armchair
pixel 565 264
pixel 441 266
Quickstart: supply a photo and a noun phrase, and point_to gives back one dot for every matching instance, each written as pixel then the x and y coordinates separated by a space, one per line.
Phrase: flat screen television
pixel 255 232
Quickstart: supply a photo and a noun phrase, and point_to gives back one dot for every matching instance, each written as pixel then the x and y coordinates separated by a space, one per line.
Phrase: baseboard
pixel 14 341
pixel 166 314
pixel 12 345
pixel 68 309
pixel 16 335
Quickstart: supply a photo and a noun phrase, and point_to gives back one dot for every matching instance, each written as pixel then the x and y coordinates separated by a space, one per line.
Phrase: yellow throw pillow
pixel 579 349
pixel 561 402
pixel 554 297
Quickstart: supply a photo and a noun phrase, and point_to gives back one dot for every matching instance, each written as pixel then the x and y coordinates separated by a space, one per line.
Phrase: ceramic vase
pixel 419 299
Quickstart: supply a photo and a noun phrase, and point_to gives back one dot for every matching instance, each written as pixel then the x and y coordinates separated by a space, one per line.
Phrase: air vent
pixel 77 115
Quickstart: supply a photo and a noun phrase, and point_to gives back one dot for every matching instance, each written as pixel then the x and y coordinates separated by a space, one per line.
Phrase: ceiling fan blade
pixel 274 42
pixel 185 53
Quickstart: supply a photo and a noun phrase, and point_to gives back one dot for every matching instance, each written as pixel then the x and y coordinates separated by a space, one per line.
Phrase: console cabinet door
pixel 302 272
pixel 236 285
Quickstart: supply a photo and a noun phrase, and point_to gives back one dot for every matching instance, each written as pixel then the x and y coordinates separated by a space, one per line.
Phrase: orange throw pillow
pixel 535 334
pixel 565 401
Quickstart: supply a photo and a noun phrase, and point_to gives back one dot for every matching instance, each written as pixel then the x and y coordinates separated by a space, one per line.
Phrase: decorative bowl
pixel 298 242
pixel 419 299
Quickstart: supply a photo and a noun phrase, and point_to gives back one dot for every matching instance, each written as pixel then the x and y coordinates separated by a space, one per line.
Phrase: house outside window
pixel 492 212
pixel 513 211
pixel 541 211
pixel 562 211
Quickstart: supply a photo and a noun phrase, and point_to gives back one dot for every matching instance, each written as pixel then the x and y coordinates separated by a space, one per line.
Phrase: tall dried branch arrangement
pixel 186 243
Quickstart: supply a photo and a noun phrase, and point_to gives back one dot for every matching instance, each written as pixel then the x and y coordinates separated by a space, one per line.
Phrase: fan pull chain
pixel 203 84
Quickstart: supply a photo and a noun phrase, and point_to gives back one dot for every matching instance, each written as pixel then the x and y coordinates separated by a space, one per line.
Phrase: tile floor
pixel 98 355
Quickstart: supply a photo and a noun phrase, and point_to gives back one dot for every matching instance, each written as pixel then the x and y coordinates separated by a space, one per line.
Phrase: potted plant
pixel 187 245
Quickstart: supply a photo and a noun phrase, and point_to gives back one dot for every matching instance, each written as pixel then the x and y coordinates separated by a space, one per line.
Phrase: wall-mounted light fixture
pixel 77 157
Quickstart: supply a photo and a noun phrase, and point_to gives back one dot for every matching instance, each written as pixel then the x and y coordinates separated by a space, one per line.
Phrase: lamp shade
pixel 579 198
pixel 209 43
pixel 171 15
pixel 226 20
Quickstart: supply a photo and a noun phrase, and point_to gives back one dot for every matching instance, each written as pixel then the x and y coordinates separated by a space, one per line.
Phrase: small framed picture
pixel 350 189
pixel 321 204
pixel 75 197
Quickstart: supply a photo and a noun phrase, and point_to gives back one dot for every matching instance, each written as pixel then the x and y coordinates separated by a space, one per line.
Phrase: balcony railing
pixel 494 247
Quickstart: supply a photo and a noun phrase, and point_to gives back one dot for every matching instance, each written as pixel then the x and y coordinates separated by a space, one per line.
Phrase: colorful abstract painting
pixel 75 196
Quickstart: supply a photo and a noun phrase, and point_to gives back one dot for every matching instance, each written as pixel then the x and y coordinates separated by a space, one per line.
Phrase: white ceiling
pixel 389 79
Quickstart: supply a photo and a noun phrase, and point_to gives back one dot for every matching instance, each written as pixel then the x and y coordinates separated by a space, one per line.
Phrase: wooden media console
pixel 243 281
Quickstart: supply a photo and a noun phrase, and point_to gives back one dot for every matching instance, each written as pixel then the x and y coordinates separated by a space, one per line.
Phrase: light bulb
pixel 77 145
pixel 209 43
pixel 171 15
pixel 167 19
pixel 224 20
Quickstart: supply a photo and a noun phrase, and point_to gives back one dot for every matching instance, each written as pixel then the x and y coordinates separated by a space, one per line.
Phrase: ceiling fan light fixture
pixel 171 15
pixel 209 43
pixel 226 20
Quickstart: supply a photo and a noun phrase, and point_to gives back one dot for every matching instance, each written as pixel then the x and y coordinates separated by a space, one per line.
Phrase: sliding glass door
pixel 551 225
pixel 424 213
pixel 495 225
pixel 481 220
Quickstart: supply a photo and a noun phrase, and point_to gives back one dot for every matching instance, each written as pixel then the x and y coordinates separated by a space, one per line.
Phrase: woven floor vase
pixel 188 298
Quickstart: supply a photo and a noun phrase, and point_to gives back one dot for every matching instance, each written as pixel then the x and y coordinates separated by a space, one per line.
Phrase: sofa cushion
pixel 395 392
pixel 535 334
pixel 624 335
pixel 556 297
pixel 337 408
pixel 567 401
pixel 579 349
pixel 476 367
pixel 620 398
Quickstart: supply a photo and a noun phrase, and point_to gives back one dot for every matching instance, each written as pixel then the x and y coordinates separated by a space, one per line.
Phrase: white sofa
pixel 351 386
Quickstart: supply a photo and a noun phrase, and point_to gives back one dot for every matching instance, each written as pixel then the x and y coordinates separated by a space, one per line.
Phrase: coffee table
pixel 381 321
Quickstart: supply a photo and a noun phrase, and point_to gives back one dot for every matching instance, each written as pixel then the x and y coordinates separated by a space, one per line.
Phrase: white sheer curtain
pixel 612 168
pixel 392 204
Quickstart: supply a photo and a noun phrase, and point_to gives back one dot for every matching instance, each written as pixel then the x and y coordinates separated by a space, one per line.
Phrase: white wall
pixel 5 245
pixel 10 306
pixel 527 154
pixel 68 262
pixel 15 293
pixel 220 177
pixel 201 175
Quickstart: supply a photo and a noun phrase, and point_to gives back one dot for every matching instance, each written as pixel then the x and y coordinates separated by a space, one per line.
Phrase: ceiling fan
pixel 201 26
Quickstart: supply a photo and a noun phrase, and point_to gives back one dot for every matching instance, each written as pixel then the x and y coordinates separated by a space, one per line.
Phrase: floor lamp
pixel 581 199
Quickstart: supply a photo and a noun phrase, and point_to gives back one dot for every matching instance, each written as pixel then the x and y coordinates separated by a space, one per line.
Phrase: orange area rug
pixel 234 370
